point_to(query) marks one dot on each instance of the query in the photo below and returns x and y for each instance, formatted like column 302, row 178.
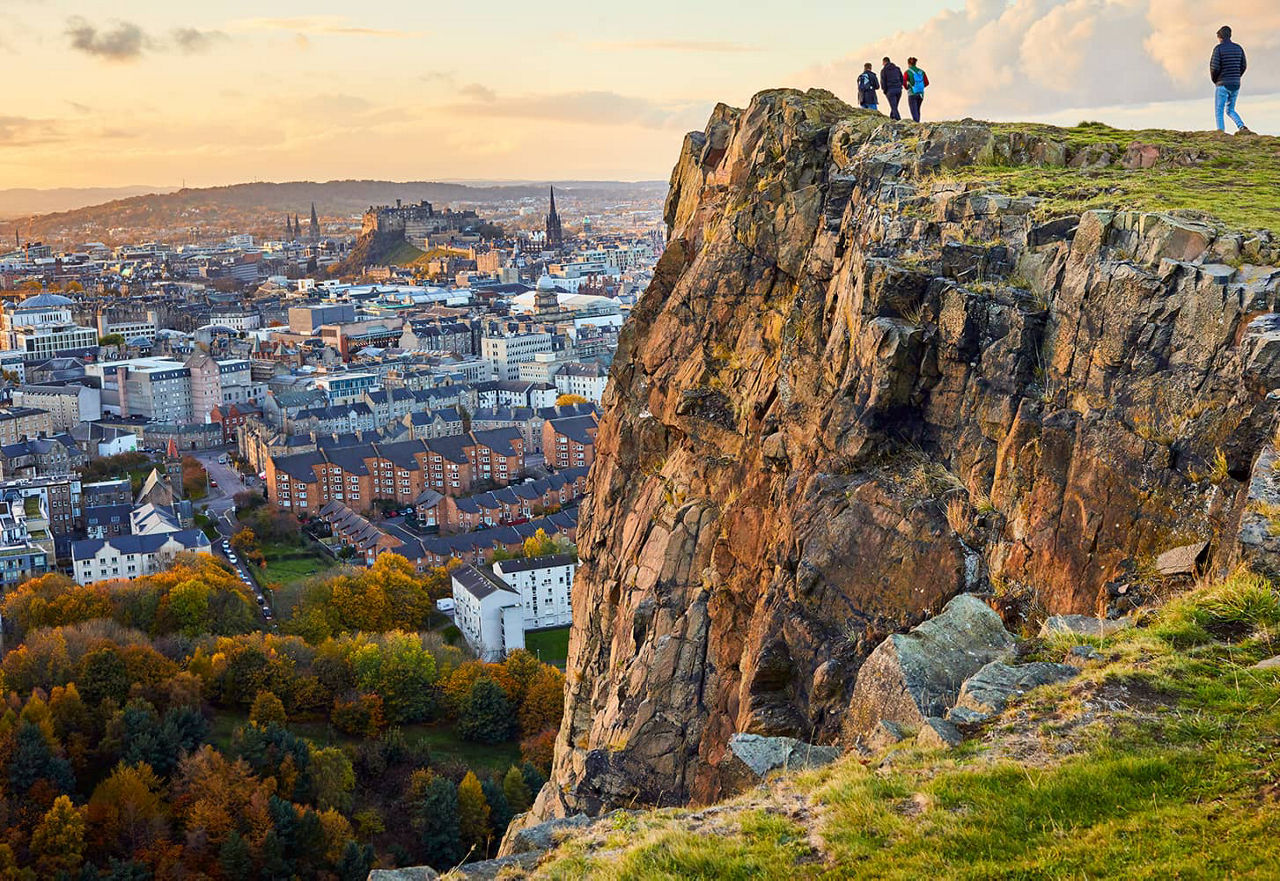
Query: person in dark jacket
column 868, row 86
column 1226, row 67
column 891, row 83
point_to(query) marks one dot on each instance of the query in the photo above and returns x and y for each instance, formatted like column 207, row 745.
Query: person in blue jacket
column 1226, row 68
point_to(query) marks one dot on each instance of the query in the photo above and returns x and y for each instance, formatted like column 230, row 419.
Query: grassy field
column 291, row 564
column 443, row 741
column 1234, row 179
column 550, row 646
column 1158, row 761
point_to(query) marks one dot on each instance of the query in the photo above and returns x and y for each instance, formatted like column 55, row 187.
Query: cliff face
column 860, row 384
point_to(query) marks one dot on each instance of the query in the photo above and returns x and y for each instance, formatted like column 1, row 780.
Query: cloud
column 320, row 25
column 124, row 41
column 191, row 40
column 24, row 131
column 479, row 93
column 1000, row 58
column 586, row 108
column 700, row 46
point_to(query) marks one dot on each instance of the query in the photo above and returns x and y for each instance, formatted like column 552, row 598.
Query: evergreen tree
column 533, row 778
column 474, row 829
column 235, row 858
column 123, row 870
column 434, row 804
column 275, row 863
column 517, row 791
column 356, row 862
column 486, row 713
column 500, row 812
column 33, row 760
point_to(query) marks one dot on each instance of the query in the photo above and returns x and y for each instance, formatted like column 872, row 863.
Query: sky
column 165, row 94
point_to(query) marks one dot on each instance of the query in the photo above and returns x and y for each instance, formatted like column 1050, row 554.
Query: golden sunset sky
column 162, row 93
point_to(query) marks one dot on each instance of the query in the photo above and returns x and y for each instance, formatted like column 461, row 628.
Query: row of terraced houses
column 360, row 474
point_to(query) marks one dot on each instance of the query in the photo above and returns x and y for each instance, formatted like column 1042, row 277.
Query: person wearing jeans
column 915, row 81
column 1226, row 68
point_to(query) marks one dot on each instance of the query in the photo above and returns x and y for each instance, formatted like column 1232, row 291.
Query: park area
column 549, row 646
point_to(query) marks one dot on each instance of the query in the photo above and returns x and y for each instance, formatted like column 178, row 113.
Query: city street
column 221, row 507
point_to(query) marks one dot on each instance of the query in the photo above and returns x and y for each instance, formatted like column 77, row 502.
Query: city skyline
column 160, row 95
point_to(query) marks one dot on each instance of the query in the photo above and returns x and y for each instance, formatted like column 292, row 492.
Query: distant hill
column 260, row 208
column 25, row 201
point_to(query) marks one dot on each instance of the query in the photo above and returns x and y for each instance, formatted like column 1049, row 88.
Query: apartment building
column 570, row 442
column 361, row 474
column 156, row 389
column 68, row 405
column 507, row 351
column 19, row 423
column 131, row 556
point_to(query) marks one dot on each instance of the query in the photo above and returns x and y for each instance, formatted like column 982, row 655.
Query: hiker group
column 1226, row 68
column 893, row 81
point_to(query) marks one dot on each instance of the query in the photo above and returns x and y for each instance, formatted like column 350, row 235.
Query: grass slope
column 1159, row 761
column 1233, row 179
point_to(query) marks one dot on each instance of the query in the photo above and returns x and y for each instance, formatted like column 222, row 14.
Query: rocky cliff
column 864, row 381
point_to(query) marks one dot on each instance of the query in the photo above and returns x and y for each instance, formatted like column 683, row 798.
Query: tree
column 332, row 778
column 356, row 862
column 126, row 812
column 474, row 829
column 485, row 715
column 433, row 815
column 516, row 791
column 111, row 339
column 360, row 716
column 57, row 843
column 539, row 749
column 543, row 703
column 267, row 709
column 245, row 541
column 33, row 761
column 235, row 858
column 540, row 545
column 500, row 812
column 102, row 675
column 569, row 399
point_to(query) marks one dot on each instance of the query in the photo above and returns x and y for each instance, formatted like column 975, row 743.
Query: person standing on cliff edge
column 916, row 81
column 1226, row 67
column 868, row 85
column 891, row 83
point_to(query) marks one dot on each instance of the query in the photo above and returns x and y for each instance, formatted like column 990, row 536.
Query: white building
column 68, row 405
column 587, row 380
column 157, row 389
column 509, row 351
column 42, row 325
column 131, row 556
column 490, row 615
column 545, row 586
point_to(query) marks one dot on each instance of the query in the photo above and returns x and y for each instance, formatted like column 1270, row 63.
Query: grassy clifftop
column 1159, row 761
column 1235, row 179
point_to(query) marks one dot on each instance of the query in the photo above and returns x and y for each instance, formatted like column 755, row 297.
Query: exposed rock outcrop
column 1084, row 625
column 858, row 387
column 988, row 691
column 915, row 676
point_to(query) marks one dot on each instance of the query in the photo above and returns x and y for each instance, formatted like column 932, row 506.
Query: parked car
column 226, row 544
column 213, row 482
column 233, row 558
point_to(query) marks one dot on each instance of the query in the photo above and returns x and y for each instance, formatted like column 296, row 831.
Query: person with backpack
column 915, row 81
column 1226, row 67
column 891, row 84
column 868, row 85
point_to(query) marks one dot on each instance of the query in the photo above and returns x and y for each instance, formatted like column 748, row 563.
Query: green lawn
column 291, row 564
column 550, row 646
column 443, row 741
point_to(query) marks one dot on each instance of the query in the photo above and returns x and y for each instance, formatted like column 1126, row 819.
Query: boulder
column 939, row 733
column 1268, row 664
column 764, row 754
column 917, row 675
column 491, row 870
column 1079, row 655
column 986, row 693
column 540, row 837
column 886, row 734
column 412, row 873
column 1083, row 625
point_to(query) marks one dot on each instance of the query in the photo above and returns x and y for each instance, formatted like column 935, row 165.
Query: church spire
column 315, row 222
column 555, row 232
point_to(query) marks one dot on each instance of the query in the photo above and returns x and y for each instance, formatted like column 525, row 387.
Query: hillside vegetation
column 1159, row 761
